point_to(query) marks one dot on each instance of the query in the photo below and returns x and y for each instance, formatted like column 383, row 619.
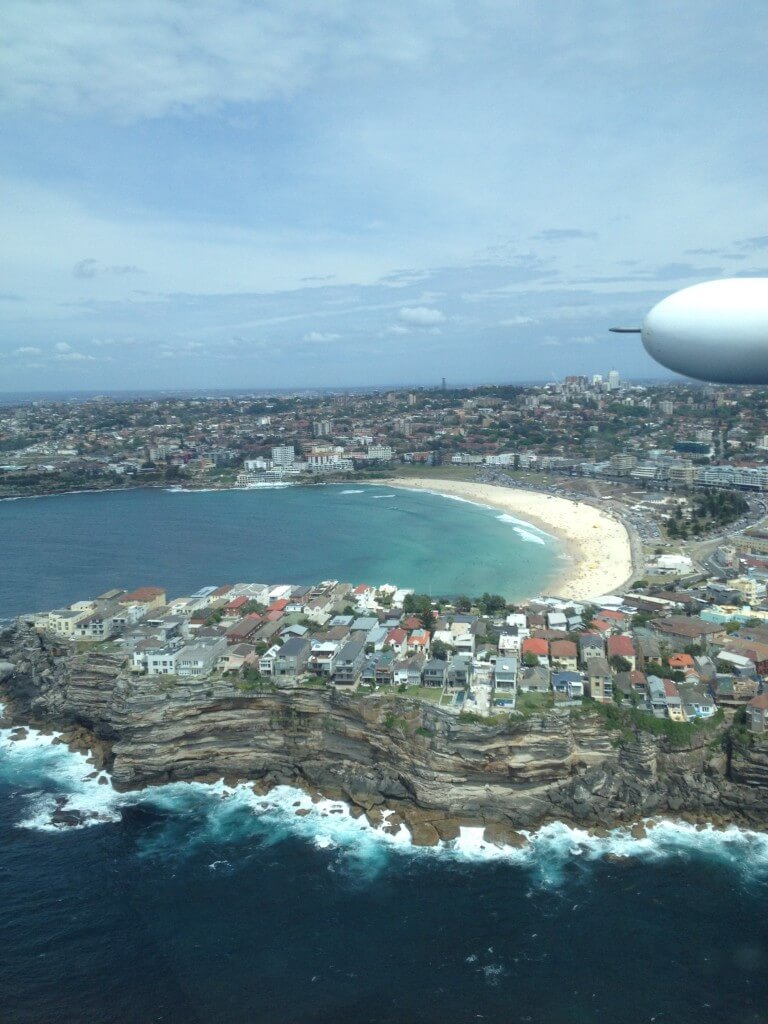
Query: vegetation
column 630, row 721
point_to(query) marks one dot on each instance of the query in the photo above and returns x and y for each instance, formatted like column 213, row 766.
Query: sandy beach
column 598, row 544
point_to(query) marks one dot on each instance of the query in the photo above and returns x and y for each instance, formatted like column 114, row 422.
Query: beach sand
column 598, row 545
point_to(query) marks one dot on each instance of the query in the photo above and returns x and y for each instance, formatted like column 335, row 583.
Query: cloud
column 518, row 321
column 757, row 242
column 75, row 357
column 320, row 336
column 62, row 346
column 563, row 235
column 85, row 268
column 421, row 316
column 195, row 58
column 123, row 268
column 90, row 268
column 27, row 350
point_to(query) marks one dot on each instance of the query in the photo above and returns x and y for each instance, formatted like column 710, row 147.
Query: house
column 535, row 679
column 434, row 672
column 752, row 649
column 656, row 697
column 599, row 680
column 459, row 672
column 736, row 663
column 397, row 639
column 349, row 663
column 569, row 683
column 674, row 701
column 687, row 629
column 238, row 657
column 509, row 643
column 505, row 673
column 322, row 658
column 622, row 647
column 564, row 654
column 150, row 597
column 385, row 668
column 757, row 713
column 591, row 646
column 557, row 620
column 267, row 660
column 535, row 647
column 697, row 703
column 647, row 647
column 418, row 641
column 681, row 662
column 245, row 630
column 291, row 659
column 407, row 671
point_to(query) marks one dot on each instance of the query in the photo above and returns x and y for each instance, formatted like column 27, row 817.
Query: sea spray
column 195, row 815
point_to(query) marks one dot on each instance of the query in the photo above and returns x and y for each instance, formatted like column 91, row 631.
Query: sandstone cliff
column 434, row 769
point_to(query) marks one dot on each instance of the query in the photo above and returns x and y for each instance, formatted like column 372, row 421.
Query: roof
column 563, row 649
column 533, row 645
column 760, row 701
column 142, row 594
column 591, row 640
column 687, row 626
column 681, row 661
column 621, row 646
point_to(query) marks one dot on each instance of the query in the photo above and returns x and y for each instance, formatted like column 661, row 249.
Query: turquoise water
column 60, row 549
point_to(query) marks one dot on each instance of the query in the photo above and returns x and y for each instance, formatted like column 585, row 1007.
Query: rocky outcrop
column 425, row 764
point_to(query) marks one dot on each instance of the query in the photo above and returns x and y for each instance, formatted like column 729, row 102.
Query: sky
column 280, row 193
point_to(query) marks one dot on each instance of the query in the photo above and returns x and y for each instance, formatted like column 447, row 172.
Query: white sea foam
column 216, row 813
column 352, row 491
column 377, row 496
column 215, row 490
column 528, row 537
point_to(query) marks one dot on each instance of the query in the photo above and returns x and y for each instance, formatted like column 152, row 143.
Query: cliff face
column 433, row 769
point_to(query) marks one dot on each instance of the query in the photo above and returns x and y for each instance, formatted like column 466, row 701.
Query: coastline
column 598, row 545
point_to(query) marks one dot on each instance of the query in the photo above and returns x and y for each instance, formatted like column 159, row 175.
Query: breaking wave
column 47, row 779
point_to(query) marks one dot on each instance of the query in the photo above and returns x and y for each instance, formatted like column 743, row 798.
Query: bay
column 56, row 550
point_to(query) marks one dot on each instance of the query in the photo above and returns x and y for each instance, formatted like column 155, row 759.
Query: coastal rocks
column 369, row 751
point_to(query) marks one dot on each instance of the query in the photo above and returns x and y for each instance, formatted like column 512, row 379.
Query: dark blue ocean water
column 197, row 904
column 69, row 547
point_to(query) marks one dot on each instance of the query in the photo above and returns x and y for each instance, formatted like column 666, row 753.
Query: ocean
column 69, row 547
column 196, row 904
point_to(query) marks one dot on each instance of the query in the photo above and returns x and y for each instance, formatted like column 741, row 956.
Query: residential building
column 599, row 680
column 291, row 659
column 349, row 663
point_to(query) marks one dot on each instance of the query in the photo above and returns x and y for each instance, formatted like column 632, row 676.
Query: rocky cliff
column 433, row 769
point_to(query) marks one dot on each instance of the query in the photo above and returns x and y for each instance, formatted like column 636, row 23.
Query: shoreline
column 459, row 833
column 598, row 545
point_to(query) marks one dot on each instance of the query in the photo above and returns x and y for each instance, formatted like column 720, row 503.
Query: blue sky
column 289, row 192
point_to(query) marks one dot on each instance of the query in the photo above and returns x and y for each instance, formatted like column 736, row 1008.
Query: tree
column 530, row 659
column 619, row 664
column 439, row 650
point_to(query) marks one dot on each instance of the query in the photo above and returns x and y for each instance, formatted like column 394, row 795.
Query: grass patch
column 532, row 702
